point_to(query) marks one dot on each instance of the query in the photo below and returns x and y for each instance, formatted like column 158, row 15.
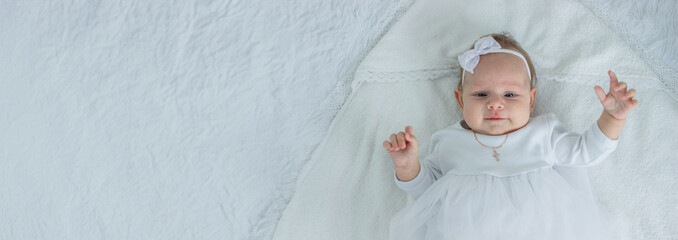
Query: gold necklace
column 496, row 155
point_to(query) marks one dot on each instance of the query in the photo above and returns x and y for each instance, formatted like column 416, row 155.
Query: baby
column 499, row 173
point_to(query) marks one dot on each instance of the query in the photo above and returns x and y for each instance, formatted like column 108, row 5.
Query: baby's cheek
column 467, row 114
column 523, row 115
column 473, row 117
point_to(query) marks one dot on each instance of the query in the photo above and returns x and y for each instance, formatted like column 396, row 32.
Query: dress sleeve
column 578, row 150
column 429, row 172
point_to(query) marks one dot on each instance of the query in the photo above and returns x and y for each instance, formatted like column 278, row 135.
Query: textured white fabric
column 522, row 195
column 651, row 29
column 598, row 51
column 346, row 190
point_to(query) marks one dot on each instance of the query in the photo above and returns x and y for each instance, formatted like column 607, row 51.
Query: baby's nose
column 495, row 105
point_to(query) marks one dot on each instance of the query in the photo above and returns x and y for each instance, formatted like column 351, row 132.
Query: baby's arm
column 408, row 172
column 428, row 171
column 618, row 103
column 599, row 141
column 412, row 175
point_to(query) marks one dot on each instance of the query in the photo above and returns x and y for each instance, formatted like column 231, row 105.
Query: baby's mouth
column 495, row 119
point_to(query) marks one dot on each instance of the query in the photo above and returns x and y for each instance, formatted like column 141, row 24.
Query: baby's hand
column 403, row 147
column 618, row 102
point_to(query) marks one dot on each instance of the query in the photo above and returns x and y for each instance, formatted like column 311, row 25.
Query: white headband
column 469, row 59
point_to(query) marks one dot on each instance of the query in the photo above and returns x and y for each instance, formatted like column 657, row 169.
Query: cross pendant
column 496, row 155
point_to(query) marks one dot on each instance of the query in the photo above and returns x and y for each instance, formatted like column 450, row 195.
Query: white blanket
column 346, row 190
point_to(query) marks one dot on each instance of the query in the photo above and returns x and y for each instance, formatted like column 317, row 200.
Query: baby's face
column 497, row 98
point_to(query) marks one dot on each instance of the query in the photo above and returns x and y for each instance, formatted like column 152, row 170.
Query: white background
column 175, row 119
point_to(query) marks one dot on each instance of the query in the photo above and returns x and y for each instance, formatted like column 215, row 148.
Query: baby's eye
column 481, row 94
column 509, row 95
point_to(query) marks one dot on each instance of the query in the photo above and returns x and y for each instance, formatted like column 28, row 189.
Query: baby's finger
column 394, row 146
column 634, row 103
column 387, row 145
column 401, row 140
column 409, row 130
column 410, row 138
column 613, row 79
column 620, row 86
column 631, row 93
column 600, row 92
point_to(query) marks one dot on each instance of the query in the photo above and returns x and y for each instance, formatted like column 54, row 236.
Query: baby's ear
column 458, row 95
column 533, row 97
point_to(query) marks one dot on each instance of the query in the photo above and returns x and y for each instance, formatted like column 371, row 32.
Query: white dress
column 539, row 188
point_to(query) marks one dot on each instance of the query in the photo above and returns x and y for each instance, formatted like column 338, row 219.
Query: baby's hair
column 507, row 42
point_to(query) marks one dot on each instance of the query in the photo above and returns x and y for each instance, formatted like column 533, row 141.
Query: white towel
column 346, row 190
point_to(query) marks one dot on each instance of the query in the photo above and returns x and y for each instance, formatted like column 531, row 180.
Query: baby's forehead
column 484, row 82
column 501, row 59
column 499, row 68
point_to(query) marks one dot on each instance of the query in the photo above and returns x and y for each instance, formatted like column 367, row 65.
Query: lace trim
column 416, row 75
column 639, row 81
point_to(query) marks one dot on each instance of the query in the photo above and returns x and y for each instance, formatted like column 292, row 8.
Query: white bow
column 469, row 59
